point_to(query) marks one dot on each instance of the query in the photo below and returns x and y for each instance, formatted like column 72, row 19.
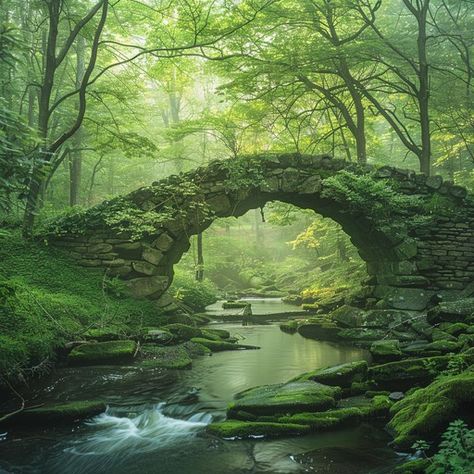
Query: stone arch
column 415, row 233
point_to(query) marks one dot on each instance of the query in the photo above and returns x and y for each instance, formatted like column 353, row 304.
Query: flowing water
column 155, row 420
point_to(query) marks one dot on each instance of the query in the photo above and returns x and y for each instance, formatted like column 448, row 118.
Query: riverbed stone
column 386, row 350
column 342, row 375
column 61, row 412
column 428, row 411
column 110, row 352
column 285, row 398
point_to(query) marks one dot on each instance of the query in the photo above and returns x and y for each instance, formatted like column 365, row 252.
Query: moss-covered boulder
column 364, row 336
column 182, row 332
column 285, row 398
column 342, row 375
column 407, row 373
column 386, row 318
column 57, row 413
column 157, row 335
column 327, row 420
column 461, row 310
column 111, row 352
column 454, row 329
column 347, row 316
column 426, row 412
column 219, row 346
column 252, row 429
column 439, row 335
column 290, row 327
column 172, row 357
column 322, row 330
column 235, row 304
column 222, row 333
column 386, row 350
column 444, row 346
column 416, row 466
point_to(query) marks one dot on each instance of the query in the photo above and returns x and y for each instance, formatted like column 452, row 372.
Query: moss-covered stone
column 460, row 310
column 407, row 373
column 172, row 357
column 323, row 330
column 111, row 352
column 439, row 335
column 289, row 327
column 222, row 333
column 327, row 420
column 56, row 413
column 249, row 429
column 347, row 316
column 444, row 346
column 342, row 375
column 454, row 329
column 386, row 350
column 235, row 304
column 427, row 411
column 218, row 346
column 417, row 466
column 157, row 335
column 291, row 397
column 182, row 332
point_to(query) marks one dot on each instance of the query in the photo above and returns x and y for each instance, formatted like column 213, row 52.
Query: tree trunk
column 424, row 92
column 75, row 161
column 200, row 259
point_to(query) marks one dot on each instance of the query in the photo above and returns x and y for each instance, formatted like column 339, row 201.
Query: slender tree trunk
column 75, row 162
column 200, row 259
column 424, row 93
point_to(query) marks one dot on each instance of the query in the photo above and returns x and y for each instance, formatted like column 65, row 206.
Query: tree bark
column 75, row 161
column 200, row 259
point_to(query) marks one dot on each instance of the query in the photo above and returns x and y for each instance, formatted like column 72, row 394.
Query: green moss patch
column 219, row 346
column 173, row 357
column 249, row 429
column 57, row 413
column 291, row 397
column 112, row 352
column 427, row 411
column 342, row 375
column 182, row 332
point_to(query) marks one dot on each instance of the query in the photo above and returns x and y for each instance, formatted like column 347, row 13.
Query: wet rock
column 219, row 346
column 173, row 357
column 395, row 396
column 408, row 373
column 111, row 352
column 343, row 375
column 290, row 397
column 347, row 316
column 290, row 327
column 182, row 332
column 426, row 412
column 461, row 310
column 386, row 350
column 252, row 429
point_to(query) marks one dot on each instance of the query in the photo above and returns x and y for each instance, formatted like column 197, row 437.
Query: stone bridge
column 415, row 233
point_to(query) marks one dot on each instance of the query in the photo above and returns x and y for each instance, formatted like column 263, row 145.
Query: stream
column 155, row 420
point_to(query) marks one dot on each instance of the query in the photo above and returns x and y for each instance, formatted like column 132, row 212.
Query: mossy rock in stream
column 222, row 333
column 57, row 413
column 461, row 310
column 235, row 304
column 182, row 332
column 111, row 352
column 327, row 420
column 416, row 466
column 252, row 429
column 292, row 397
column 290, row 327
column 426, row 412
column 408, row 373
column 342, row 375
column 218, row 346
column 171, row 357
column 439, row 335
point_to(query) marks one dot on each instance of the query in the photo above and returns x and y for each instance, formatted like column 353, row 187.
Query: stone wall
column 410, row 255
